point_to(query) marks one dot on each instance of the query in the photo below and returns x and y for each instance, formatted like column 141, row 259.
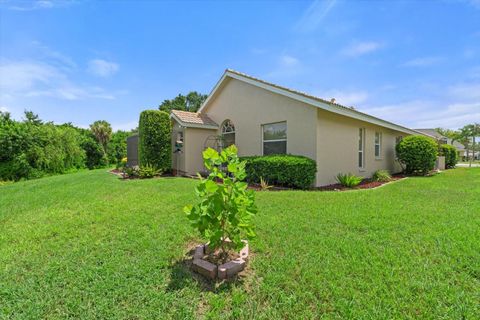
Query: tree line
column 466, row 136
column 32, row 148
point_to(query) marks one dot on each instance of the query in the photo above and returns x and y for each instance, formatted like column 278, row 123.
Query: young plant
column 349, row 180
column 226, row 207
column 148, row 171
column 381, row 176
column 264, row 184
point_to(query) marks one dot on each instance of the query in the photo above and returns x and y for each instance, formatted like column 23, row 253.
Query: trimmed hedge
column 418, row 154
column 450, row 154
column 283, row 170
column 154, row 146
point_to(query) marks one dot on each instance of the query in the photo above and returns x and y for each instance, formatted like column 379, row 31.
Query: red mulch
column 365, row 184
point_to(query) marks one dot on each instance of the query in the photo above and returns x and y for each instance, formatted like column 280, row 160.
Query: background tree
column 453, row 135
column 191, row 102
column 102, row 131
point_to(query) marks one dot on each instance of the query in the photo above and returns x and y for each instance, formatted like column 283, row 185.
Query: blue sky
column 416, row 63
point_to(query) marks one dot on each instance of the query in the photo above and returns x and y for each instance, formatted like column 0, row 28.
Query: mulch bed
column 119, row 173
column 365, row 184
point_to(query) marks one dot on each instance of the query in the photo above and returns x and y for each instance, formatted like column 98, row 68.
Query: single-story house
column 263, row 118
column 444, row 140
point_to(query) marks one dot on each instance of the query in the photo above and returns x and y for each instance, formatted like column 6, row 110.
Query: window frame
column 361, row 131
column 222, row 133
column 379, row 144
column 275, row 140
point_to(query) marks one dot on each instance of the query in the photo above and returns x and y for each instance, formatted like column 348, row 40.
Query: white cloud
column 428, row 113
column 125, row 126
column 36, row 4
column 22, row 76
column 465, row 91
column 346, row 98
column 288, row 61
column 314, row 15
column 3, row 109
column 34, row 78
column 102, row 68
column 286, row 66
column 361, row 48
column 422, row 62
column 44, row 52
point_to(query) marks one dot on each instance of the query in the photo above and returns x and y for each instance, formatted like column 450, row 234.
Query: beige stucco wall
column 328, row 138
column 250, row 107
column 337, row 147
column 194, row 145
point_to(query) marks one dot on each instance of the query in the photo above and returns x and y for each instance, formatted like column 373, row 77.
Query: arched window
column 228, row 133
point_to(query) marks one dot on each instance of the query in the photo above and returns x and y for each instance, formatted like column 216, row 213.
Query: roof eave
column 305, row 99
column 192, row 125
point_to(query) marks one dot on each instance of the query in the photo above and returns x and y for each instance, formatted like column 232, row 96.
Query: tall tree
column 191, row 102
column 450, row 134
column 102, row 131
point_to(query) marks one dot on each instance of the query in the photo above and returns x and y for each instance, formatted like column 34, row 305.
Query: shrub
column 348, row 180
column 132, row 172
column 122, row 163
column 417, row 154
column 450, row 154
column 155, row 139
column 225, row 209
column 285, row 170
column 382, row 176
column 95, row 157
column 148, row 171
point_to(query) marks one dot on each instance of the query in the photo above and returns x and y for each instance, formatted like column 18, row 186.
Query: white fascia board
column 224, row 76
column 310, row 101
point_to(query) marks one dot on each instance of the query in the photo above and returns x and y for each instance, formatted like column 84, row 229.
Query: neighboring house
column 444, row 140
column 262, row 118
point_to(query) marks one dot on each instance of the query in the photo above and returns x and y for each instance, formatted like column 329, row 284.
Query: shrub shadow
column 182, row 276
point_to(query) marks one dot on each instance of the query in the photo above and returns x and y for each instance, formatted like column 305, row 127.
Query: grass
column 88, row 245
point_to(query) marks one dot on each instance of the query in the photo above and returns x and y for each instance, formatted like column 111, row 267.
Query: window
column 361, row 148
column 397, row 141
column 275, row 138
column 378, row 145
column 228, row 133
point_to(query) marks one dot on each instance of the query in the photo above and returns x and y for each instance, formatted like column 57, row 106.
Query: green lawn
column 88, row 245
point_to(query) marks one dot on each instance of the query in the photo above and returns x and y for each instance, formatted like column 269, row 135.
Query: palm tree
column 102, row 131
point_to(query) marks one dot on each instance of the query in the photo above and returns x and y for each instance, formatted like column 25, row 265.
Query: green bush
column 95, row 157
column 155, row 139
column 382, row 176
column 348, row 180
column 148, row 171
column 450, row 154
column 132, row 172
column 31, row 148
column 417, row 153
column 283, row 170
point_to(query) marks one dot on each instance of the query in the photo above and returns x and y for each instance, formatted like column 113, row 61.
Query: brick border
column 221, row 272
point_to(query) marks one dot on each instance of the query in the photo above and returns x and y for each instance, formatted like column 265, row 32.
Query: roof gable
column 305, row 98
column 193, row 119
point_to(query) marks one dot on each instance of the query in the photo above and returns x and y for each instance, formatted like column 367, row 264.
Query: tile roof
column 194, row 118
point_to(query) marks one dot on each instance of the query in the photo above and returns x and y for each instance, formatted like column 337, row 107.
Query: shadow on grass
column 182, row 276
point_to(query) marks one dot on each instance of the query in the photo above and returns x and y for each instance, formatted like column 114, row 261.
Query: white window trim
column 380, row 145
column 362, row 167
column 222, row 134
column 276, row 140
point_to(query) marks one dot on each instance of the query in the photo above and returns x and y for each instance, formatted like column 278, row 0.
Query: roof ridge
column 307, row 95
